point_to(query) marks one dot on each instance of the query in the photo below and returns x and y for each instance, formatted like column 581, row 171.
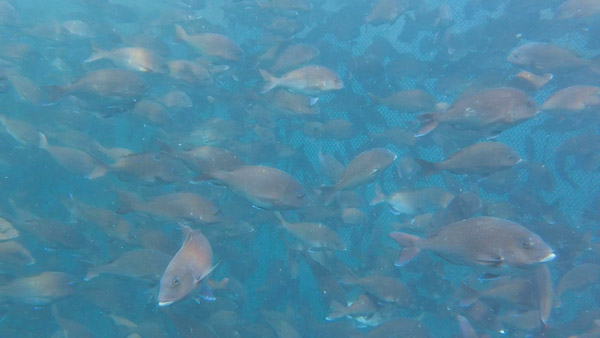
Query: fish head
column 526, row 249
column 175, row 285
column 524, row 110
column 519, row 56
column 295, row 199
column 331, row 83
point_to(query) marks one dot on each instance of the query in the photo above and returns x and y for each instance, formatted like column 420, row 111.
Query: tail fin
column 466, row 329
column 469, row 296
column 428, row 123
column 409, row 247
column 270, row 80
column 379, row 196
column 56, row 92
column 328, row 194
column 43, row 141
column 338, row 311
column 280, row 218
column 91, row 274
column 180, row 32
column 97, row 54
column 429, row 168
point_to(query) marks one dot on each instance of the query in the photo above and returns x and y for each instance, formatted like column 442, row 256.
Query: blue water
column 266, row 284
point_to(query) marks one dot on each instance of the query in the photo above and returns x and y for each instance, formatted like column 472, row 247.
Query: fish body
column 309, row 80
column 265, row 187
column 494, row 109
column 480, row 241
column 483, row 158
column 364, row 168
column 132, row 58
column 187, row 269
column 216, row 46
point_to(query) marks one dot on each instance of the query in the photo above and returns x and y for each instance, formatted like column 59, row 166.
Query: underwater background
column 302, row 139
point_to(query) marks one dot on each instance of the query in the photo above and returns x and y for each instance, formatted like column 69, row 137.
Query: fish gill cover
column 297, row 168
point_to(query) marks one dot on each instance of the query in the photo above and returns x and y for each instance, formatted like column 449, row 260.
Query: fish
column 207, row 158
column 315, row 236
column 103, row 84
column 412, row 202
column 483, row 159
column 384, row 288
column 386, row 11
column 7, row 230
column 578, row 278
column 131, row 58
column 113, row 225
column 216, row 46
column 187, row 269
column 493, row 110
column 284, row 102
column 264, row 187
column 149, row 168
column 362, row 169
column 572, row 99
column 408, row 101
column 190, row 72
column 151, row 111
column 38, row 290
column 175, row 206
column 531, row 80
column 74, row 160
column 53, row 232
column 141, row 264
column 548, row 57
column 294, row 56
column 21, row 131
column 12, row 252
column 576, row 9
column 308, row 80
column 479, row 241
column 362, row 306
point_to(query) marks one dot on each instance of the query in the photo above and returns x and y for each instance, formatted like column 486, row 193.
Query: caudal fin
column 379, row 196
column 428, row 168
column 180, row 32
column 409, row 247
column 469, row 296
column 428, row 123
column 56, row 92
column 97, row 54
column 270, row 81
column 43, row 141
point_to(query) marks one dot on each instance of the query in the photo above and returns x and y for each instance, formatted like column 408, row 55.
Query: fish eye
column 175, row 281
column 526, row 244
column 300, row 196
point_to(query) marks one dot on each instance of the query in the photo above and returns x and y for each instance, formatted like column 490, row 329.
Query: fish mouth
column 163, row 304
column 548, row 258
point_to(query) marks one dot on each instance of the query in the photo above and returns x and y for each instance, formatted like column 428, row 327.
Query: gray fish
column 74, row 160
column 548, row 57
column 177, row 206
column 265, row 187
column 104, row 83
column 494, row 110
column 363, row 169
column 315, row 236
column 412, row 202
column 138, row 264
column 188, row 268
column 38, row 290
column 479, row 241
column 481, row 159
